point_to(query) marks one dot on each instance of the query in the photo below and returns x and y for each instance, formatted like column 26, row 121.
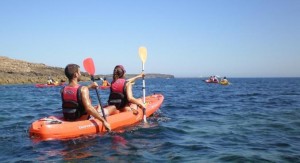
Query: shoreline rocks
column 13, row 71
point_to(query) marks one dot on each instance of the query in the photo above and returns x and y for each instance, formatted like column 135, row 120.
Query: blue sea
column 250, row 120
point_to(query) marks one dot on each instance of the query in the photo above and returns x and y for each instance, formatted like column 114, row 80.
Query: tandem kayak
column 55, row 127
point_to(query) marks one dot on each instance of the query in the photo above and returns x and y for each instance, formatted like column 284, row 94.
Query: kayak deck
column 55, row 127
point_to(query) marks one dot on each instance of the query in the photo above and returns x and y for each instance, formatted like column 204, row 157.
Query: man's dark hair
column 70, row 70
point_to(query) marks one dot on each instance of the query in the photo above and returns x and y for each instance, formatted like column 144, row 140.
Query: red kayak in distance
column 48, row 85
column 210, row 81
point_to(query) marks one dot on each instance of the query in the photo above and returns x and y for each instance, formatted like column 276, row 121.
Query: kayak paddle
column 88, row 64
column 143, row 56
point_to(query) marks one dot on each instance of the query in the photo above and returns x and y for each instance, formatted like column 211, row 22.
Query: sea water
column 250, row 120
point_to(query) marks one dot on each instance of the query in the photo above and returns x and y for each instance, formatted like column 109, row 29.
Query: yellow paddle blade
column 143, row 54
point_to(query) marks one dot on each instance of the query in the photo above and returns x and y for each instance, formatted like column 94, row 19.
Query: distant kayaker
column 105, row 82
column 50, row 81
column 215, row 79
column 121, row 95
column 224, row 79
column 76, row 101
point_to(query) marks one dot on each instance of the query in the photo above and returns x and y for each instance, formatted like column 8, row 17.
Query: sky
column 184, row 38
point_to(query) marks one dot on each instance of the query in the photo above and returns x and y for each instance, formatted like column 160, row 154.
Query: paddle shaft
column 143, row 56
column 99, row 100
column 144, row 86
column 144, row 94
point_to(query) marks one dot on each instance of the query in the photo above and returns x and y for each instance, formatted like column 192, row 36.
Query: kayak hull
column 47, row 85
column 224, row 82
column 55, row 127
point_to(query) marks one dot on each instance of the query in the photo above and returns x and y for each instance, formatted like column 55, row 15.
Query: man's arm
column 85, row 94
column 93, row 85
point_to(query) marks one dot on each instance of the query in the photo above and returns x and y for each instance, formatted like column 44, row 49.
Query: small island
column 13, row 71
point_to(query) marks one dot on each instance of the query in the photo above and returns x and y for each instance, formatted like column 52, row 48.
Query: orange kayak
column 54, row 127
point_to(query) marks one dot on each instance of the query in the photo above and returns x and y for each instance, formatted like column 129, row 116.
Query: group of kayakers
column 51, row 81
column 76, row 100
column 214, row 79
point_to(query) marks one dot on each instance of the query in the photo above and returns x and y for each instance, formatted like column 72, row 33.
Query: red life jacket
column 72, row 105
column 118, row 96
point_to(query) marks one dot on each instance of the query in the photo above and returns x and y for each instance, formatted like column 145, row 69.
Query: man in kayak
column 121, row 95
column 76, row 101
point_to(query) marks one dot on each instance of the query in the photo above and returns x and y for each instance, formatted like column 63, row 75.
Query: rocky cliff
column 13, row 71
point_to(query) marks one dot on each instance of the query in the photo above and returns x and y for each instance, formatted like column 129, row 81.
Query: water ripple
column 251, row 120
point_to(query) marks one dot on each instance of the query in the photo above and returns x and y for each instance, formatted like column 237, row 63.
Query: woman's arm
column 131, row 80
column 131, row 98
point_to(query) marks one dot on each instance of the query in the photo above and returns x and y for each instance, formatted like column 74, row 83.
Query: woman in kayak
column 76, row 101
column 121, row 95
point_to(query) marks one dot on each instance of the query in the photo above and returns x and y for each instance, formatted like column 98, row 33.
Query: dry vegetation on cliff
column 13, row 71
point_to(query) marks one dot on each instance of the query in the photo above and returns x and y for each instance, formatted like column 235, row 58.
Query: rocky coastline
column 13, row 71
